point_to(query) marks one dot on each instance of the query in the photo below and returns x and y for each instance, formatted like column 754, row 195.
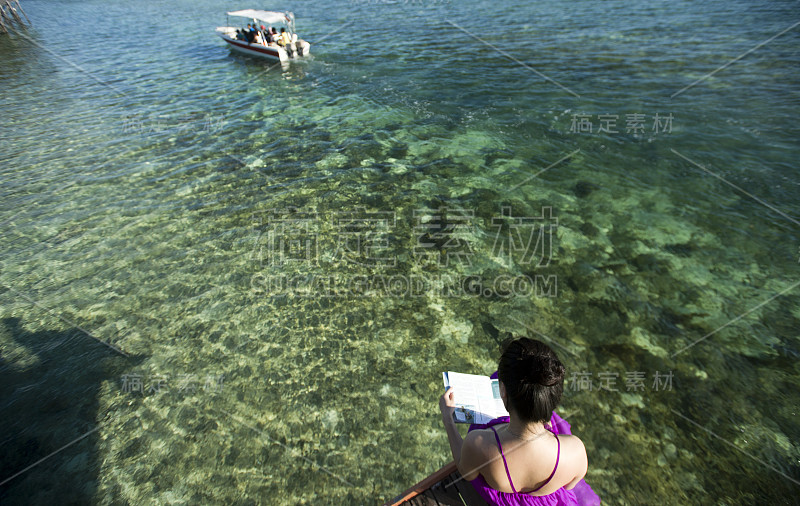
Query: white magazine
column 477, row 397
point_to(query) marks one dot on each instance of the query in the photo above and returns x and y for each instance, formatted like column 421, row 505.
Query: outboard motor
column 302, row 47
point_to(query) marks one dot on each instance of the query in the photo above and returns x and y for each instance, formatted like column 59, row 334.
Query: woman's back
column 530, row 466
column 537, row 467
column 530, row 456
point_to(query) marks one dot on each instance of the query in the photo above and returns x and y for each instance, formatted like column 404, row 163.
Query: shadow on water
column 20, row 57
column 50, row 383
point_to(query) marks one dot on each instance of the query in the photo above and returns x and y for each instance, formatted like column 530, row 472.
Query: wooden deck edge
column 424, row 485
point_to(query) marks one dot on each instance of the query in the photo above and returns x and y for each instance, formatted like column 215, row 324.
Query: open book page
column 477, row 397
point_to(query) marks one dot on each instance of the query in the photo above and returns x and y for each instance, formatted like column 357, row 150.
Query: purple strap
column 558, row 456
column 504, row 459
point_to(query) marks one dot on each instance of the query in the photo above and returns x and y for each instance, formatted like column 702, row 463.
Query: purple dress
column 581, row 494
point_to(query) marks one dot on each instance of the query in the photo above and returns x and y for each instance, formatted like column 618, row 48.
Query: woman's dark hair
column 533, row 377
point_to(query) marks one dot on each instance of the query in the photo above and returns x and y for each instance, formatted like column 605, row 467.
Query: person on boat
column 530, row 456
column 284, row 39
column 257, row 39
column 249, row 33
column 268, row 38
column 273, row 35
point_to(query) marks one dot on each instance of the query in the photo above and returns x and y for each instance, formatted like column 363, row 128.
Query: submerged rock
column 589, row 230
column 683, row 250
column 584, row 189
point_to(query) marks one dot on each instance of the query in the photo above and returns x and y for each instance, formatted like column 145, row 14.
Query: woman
column 529, row 457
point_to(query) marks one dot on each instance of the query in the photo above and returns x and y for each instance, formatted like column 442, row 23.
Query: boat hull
column 444, row 487
column 274, row 53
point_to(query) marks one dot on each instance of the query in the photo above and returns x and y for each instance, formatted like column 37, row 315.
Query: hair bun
column 543, row 370
column 534, row 379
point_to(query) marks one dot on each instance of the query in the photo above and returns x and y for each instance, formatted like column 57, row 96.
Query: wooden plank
column 440, row 489
column 424, row 485
column 456, row 491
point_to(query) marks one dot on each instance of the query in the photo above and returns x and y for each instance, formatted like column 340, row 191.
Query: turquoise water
column 243, row 235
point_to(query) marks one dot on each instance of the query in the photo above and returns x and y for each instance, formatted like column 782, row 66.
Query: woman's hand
column 447, row 403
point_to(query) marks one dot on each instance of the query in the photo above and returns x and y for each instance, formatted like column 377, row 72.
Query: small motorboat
column 283, row 50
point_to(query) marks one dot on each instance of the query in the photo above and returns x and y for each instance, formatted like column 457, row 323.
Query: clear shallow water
column 144, row 211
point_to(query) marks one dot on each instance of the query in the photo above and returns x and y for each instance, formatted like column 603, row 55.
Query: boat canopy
column 269, row 17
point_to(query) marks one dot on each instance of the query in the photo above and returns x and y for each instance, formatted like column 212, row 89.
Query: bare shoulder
column 482, row 435
column 571, row 442
column 478, row 440
column 574, row 457
column 473, row 453
column 572, row 447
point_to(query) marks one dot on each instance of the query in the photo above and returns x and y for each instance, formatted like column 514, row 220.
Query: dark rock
column 683, row 250
column 649, row 263
column 584, row 188
column 589, row 230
